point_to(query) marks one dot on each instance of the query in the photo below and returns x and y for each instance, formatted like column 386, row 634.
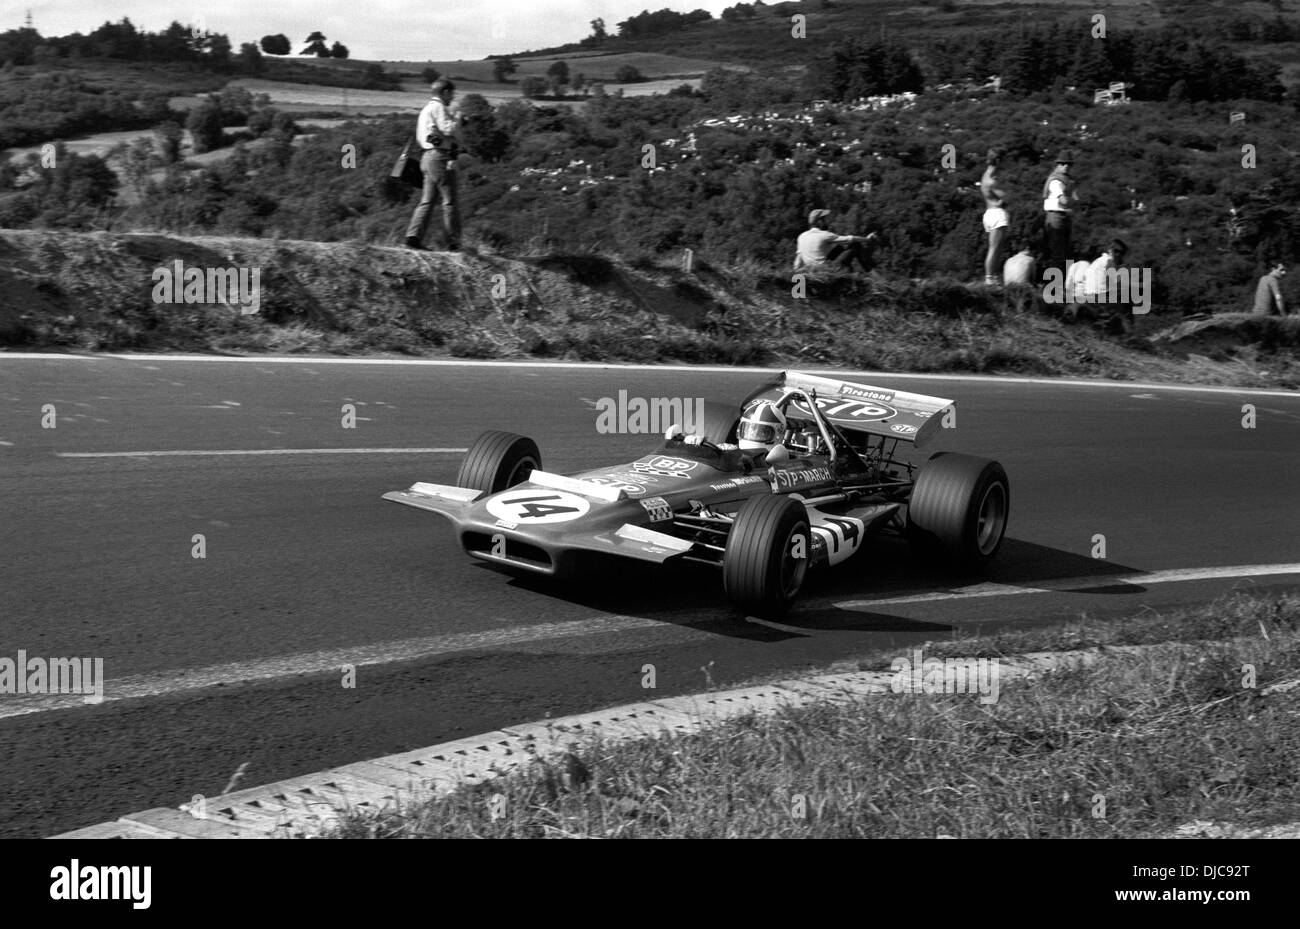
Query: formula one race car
column 797, row 477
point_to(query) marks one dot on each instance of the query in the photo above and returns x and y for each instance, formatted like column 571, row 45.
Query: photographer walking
column 436, row 132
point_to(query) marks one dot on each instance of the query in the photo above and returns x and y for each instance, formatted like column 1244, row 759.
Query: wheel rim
column 793, row 569
column 522, row 470
column 992, row 519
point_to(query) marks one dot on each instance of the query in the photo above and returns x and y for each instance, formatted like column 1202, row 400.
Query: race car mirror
column 778, row 454
column 672, row 432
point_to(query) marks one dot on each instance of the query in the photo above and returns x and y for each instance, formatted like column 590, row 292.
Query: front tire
column 961, row 505
column 497, row 461
column 766, row 559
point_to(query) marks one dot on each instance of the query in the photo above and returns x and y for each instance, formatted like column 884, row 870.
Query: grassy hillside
column 72, row 291
column 764, row 40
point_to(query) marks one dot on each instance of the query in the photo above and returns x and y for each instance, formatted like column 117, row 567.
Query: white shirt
column 1097, row 278
column 435, row 114
column 1076, row 280
column 813, row 245
column 1057, row 201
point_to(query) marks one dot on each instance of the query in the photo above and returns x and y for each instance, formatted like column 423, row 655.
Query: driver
column 762, row 428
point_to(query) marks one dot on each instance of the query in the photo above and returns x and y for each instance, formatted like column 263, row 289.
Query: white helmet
column 763, row 426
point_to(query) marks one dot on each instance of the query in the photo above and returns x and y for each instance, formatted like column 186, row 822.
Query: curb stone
column 309, row 805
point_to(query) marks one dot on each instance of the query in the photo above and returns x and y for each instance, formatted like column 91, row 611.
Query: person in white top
column 1058, row 201
column 1021, row 267
column 436, row 131
column 996, row 219
column 818, row 247
column 1097, row 287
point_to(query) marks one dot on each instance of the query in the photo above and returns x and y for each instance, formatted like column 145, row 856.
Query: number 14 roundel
column 538, row 505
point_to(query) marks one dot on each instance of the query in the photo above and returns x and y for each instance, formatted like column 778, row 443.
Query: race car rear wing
column 893, row 414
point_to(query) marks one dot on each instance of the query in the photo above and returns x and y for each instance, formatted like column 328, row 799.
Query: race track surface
column 236, row 658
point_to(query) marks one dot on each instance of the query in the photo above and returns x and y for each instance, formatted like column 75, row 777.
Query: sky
column 394, row 30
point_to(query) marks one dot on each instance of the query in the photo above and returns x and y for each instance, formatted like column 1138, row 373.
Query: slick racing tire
column 498, row 460
column 960, row 504
column 720, row 422
column 766, row 558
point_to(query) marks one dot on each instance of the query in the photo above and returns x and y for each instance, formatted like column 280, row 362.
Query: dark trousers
column 440, row 182
column 1056, row 235
column 844, row 255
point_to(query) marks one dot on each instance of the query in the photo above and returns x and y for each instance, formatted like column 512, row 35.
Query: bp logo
column 530, row 507
column 665, row 466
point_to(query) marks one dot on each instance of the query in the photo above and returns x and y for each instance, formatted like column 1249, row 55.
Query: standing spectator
column 1058, row 198
column 1020, row 268
column 436, row 131
column 818, row 247
column 1268, row 292
column 996, row 219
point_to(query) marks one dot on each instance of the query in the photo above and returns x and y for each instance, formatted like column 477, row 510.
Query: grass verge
column 1133, row 746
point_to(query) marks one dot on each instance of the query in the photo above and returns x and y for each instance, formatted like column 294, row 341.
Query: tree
column 204, row 124
column 430, row 74
column 169, row 136
column 276, row 44
column 502, row 68
column 859, row 67
column 598, row 33
column 558, row 72
column 218, row 50
column 250, row 59
column 316, row 46
column 628, row 74
column 338, row 50
column 533, row 87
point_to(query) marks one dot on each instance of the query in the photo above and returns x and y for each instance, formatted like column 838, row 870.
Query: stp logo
column 861, row 410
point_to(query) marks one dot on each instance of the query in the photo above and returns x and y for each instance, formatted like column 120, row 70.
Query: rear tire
column 960, row 504
column 498, row 460
column 760, row 571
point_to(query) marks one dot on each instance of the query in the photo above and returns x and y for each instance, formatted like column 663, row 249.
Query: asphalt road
column 236, row 658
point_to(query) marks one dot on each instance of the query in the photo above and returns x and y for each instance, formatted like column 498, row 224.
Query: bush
column 533, row 87
column 204, row 124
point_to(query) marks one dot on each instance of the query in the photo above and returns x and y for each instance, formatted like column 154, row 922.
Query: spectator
column 996, row 219
column 1076, row 283
column 1021, row 267
column 818, row 247
column 436, row 131
column 1268, row 292
column 1096, row 286
column 1058, row 198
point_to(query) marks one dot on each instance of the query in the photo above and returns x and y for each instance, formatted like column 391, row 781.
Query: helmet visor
column 758, row 432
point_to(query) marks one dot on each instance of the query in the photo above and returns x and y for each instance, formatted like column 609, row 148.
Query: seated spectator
column 818, row 247
column 1268, row 292
column 1076, row 281
column 1021, row 268
column 1097, row 286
